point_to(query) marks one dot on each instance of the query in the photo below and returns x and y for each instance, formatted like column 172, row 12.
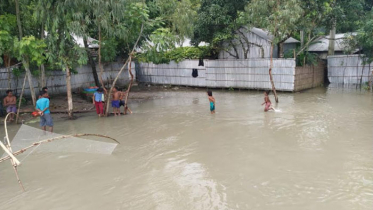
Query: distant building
column 321, row 45
column 257, row 44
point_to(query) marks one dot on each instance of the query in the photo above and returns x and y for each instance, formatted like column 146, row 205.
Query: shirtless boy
column 122, row 102
column 10, row 102
column 115, row 102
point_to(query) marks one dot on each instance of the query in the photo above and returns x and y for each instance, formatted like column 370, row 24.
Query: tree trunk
column 99, row 57
column 19, row 20
column 301, row 39
column 69, row 93
column 129, row 86
column 281, row 50
column 43, row 82
column 20, row 98
column 91, row 62
column 9, row 73
column 29, row 76
column 332, row 40
column 270, row 75
column 371, row 78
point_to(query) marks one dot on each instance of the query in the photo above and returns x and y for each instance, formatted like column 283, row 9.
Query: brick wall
column 307, row 77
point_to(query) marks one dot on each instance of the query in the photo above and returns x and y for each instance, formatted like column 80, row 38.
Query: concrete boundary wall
column 348, row 69
column 56, row 80
column 246, row 74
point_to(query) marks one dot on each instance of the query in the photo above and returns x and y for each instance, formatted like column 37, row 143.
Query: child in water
column 98, row 101
column 115, row 103
column 267, row 102
column 212, row 101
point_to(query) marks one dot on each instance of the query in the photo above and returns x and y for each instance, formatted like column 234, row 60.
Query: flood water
column 315, row 153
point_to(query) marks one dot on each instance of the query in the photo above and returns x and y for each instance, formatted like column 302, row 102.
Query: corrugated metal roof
column 262, row 33
column 291, row 40
column 269, row 37
column 322, row 44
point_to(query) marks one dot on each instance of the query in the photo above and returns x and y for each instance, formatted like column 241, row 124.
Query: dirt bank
column 83, row 102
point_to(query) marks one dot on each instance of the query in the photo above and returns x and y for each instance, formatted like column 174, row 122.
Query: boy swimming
column 267, row 102
column 212, row 101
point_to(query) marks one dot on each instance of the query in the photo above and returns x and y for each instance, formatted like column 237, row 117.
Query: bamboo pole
column 129, row 87
column 8, row 150
column 10, row 154
column 20, row 98
column 271, row 77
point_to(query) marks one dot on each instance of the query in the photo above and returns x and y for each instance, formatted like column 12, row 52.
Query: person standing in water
column 267, row 102
column 212, row 101
column 115, row 103
column 10, row 103
column 42, row 106
column 122, row 102
column 98, row 98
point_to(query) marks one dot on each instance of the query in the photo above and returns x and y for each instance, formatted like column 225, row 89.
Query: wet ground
column 315, row 153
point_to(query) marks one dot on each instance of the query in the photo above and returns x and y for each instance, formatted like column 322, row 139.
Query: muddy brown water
column 315, row 153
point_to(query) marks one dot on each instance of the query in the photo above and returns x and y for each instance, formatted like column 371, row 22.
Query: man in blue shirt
column 42, row 106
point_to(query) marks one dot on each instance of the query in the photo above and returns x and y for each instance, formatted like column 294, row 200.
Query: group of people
column 267, row 102
column 118, row 95
column 117, row 101
column 42, row 108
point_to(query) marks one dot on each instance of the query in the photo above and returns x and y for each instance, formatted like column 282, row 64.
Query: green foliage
column 347, row 14
column 315, row 14
column 31, row 49
column 305, row 57
column 8, row 22
column 109, row 50
column 216, row 17
column 7, row 31
column 365, row 38
column 366, row 86
column 280, row 18
column 6, row 44
column 177, row 55
column 17, row 72
column 178, row 16
column 23, row 102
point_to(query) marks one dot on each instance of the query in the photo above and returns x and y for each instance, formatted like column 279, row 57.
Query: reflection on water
column 315, row 154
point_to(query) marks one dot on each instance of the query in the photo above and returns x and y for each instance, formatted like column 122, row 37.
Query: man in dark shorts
column 42, row 106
